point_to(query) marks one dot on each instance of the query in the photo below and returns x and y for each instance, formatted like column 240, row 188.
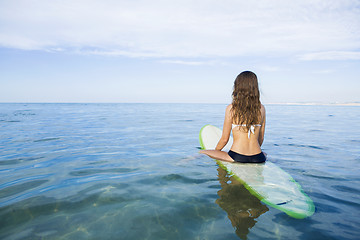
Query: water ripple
column 19, row 160
column 47, row 139
column 306, row 146
column 347, row 189
column 181, row 178
column 86, row 172
column 14, row 189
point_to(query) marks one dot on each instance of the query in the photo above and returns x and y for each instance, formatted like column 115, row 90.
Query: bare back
column 246, row 142
column 242, row 143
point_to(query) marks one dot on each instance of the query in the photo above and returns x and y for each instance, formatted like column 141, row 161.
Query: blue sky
column 178, row 51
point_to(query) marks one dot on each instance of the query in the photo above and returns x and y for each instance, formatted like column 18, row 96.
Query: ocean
column 133, row 171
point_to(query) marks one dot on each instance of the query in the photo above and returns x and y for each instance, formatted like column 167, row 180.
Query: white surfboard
column 266, row 181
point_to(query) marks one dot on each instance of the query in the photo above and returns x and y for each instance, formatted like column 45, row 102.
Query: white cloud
column 324, row 71
column 332, row 55
column 191, row 63
column 271, row 68
column 203, row 28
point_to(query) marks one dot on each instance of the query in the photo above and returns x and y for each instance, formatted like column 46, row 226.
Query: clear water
column 132, row 171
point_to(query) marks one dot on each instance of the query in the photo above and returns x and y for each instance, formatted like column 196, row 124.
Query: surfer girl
column 245, row 117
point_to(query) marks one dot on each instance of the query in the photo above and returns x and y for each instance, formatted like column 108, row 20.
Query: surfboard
column 266, row 181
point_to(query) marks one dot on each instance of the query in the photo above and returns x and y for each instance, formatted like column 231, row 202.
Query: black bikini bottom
column 257, row 158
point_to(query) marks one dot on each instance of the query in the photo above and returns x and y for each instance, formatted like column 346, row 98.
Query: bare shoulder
column 228, row 111
column 262, row 108
column 228, row 108
column 263, row 111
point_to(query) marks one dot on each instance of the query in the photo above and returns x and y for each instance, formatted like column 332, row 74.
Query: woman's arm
column 263, row 123
column 226, row 129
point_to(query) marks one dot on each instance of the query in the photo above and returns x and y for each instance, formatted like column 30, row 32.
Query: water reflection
column 241, row 206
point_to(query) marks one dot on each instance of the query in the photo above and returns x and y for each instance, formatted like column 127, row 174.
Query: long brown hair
column 246, row 103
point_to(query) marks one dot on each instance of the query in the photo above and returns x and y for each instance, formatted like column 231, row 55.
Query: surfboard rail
column 297, row 204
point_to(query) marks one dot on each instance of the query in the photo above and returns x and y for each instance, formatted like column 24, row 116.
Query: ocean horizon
column 264, row 103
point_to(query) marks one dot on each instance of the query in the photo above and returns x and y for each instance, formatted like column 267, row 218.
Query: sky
column 183, row 51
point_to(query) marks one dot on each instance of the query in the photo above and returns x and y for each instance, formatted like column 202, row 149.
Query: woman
column 245, row 117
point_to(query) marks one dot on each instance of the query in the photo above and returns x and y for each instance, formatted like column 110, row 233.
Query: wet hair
column 246, row 103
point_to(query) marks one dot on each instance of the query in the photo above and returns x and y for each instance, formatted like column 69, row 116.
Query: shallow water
column 132, row 171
